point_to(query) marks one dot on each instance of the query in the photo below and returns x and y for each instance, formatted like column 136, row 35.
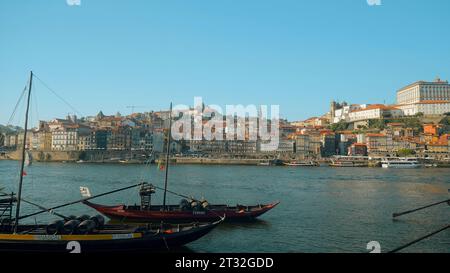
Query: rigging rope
column 58, row 96
column 17, row 106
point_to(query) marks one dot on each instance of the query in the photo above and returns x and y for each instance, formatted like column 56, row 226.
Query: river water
column 322, row 209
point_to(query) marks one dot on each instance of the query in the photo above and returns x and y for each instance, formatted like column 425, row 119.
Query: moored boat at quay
column 107, row 238
column 188, row 210
column 301, row 164
column 349, row 161
column 401, row 163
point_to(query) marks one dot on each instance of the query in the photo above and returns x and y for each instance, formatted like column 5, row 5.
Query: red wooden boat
column 176, row 213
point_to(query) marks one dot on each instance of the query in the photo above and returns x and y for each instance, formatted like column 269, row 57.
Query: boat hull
column 405, row 166
column 123, row 213
column 349, row 164
column 132, row 242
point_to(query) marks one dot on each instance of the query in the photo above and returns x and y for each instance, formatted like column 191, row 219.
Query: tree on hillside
column 377, row 124
column 445, row 121
column 340, row 126
column 414, row 123
column 405, row 152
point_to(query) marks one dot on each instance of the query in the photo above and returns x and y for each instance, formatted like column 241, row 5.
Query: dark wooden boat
column 110, row 238
column 83, row 234
column 176, row 213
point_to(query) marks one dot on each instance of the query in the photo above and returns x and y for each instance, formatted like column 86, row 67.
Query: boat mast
column 167, row 156
column 19, row 192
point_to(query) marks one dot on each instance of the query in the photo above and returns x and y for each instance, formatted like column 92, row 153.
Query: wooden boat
column 131, row 161
column 90, row 234
column 348, row 164
column 349, row 161
column 273, row 162
column 177, row 213
column 301, row 164
column 83, row 234
column 110, row 238
column 264, row 163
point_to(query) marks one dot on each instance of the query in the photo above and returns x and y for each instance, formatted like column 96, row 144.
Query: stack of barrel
column 76, row 225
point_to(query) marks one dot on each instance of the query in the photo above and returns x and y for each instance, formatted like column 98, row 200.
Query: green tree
column 340, row 126
column 405, row 152
column 377, row 124
column 445, row 121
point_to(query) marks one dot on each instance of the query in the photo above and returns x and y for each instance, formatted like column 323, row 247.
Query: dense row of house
column 396, row 137
column 93, row 133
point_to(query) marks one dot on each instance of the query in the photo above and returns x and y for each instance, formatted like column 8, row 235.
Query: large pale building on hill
column 429, row 98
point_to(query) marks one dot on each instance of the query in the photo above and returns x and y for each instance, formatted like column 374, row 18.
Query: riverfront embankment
column 142, row 157
column 98, row 156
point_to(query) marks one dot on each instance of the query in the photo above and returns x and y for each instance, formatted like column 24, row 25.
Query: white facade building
column 66, row 136
column 424, row 91
column 65, row 139
column 375, row 111
column 343, row 114
column 426, row 107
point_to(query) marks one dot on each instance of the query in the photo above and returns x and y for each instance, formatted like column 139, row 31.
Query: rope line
column 13, row 114
column 58, row 96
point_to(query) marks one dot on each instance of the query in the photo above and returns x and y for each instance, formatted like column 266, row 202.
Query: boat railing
column 6, row 206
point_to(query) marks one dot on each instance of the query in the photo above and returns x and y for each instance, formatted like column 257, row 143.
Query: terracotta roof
column 346, row 132
column 433, row 102
column 425, row 102
column 376, row 106
column 438, row 144
column 375, row 135
column 395, row 124
column 359, row 144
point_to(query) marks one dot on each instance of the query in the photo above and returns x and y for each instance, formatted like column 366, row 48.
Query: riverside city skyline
column 419, row 124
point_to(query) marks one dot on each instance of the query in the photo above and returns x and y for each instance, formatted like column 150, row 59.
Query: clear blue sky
column 300, row 54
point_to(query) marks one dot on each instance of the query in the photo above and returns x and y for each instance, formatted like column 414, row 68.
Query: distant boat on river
column 401, row 163
column 349, row 161
column 301, row 164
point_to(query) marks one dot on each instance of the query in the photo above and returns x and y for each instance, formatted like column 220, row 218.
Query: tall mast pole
column 19, row 192
column 167, row 156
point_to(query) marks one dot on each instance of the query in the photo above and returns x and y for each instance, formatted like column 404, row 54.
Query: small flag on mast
column 85, row 192
column 161, row 165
